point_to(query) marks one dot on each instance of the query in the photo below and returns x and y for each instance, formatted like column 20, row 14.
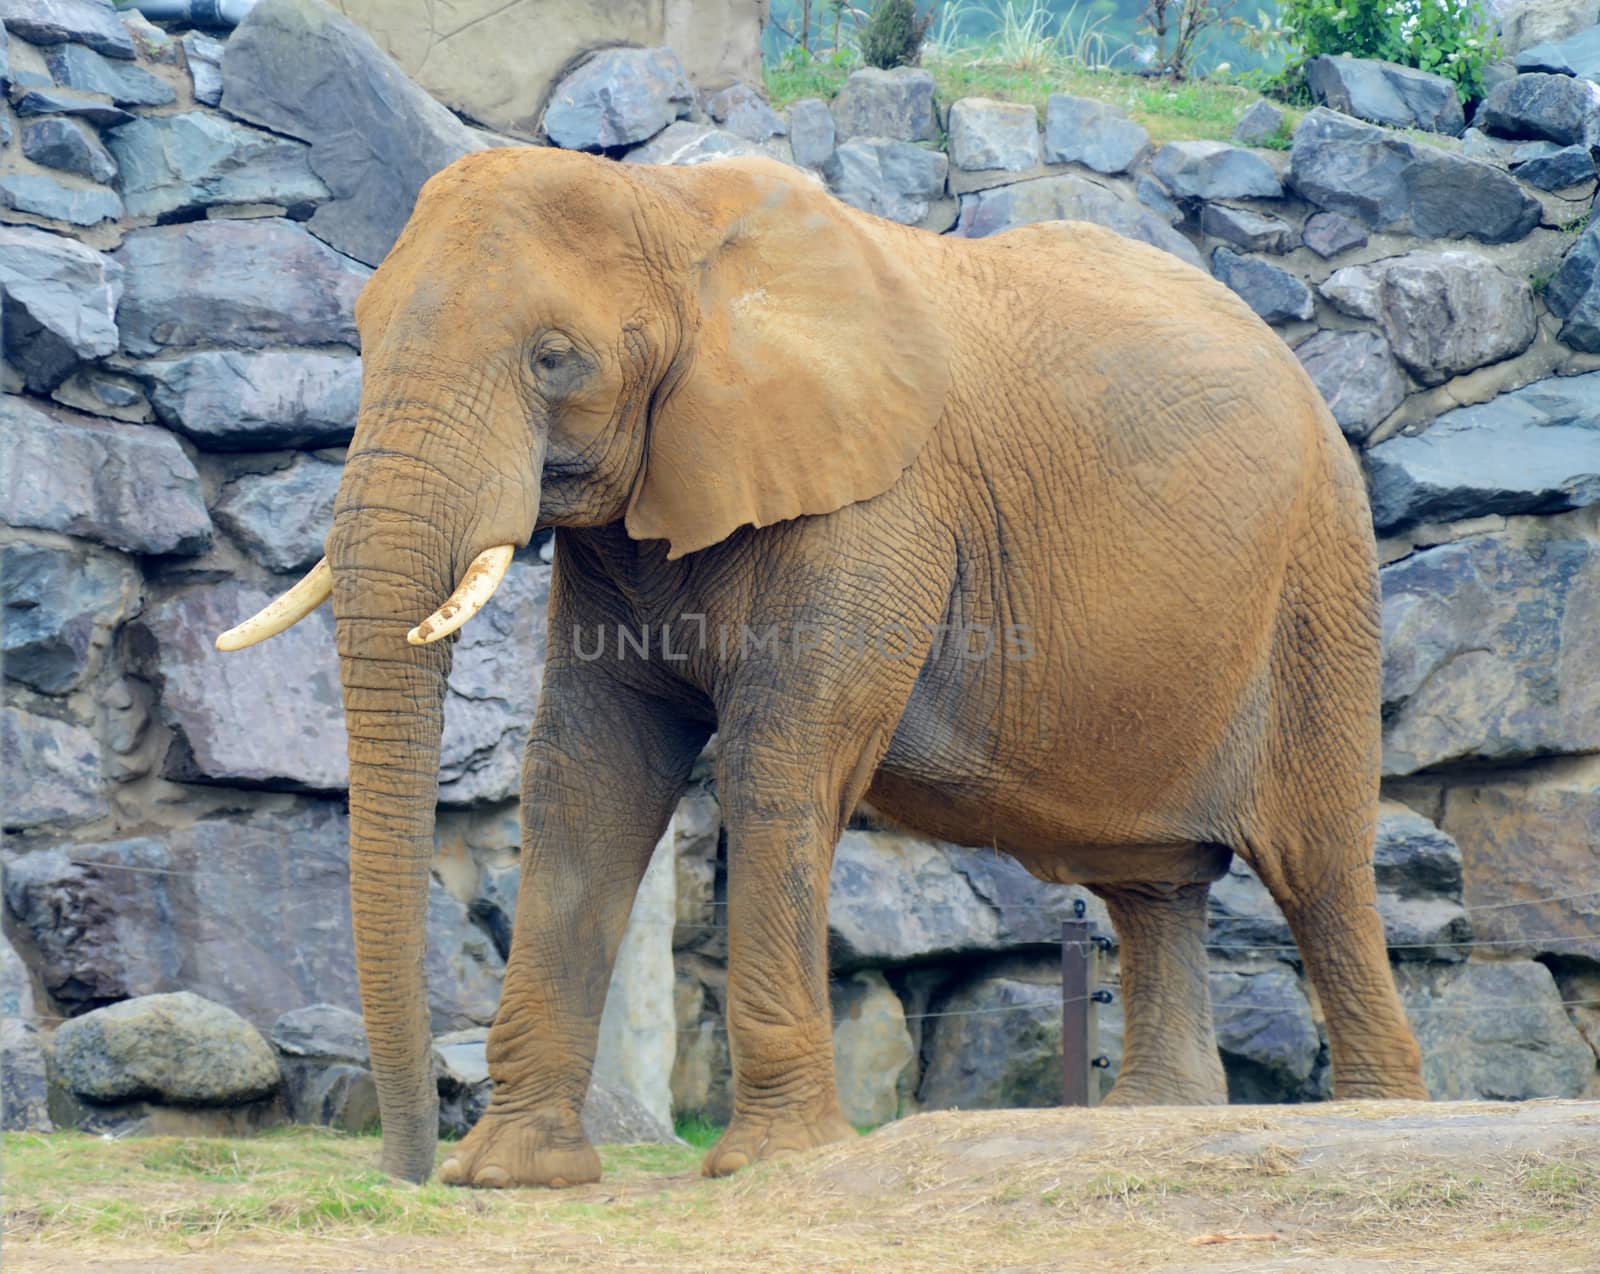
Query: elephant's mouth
column 477, row 586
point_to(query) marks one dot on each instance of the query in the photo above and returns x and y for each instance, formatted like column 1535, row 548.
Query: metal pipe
column 200, row 13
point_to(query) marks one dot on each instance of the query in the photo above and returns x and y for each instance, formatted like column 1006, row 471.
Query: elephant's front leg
column 604, row 769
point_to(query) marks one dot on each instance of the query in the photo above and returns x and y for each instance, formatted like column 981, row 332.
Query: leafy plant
column 1452, row 38
column 893, row 33
column 1185, row 21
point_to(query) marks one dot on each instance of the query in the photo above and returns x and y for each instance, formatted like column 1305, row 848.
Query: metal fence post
column 1080, row 1046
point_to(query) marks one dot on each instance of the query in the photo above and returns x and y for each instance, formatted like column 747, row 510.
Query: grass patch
column 698, row 1131
column 1194, row 109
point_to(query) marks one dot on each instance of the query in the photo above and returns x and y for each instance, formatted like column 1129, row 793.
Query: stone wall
column 186, row 225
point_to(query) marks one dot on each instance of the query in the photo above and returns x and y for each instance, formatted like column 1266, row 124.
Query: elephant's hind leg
column 1169, row 1050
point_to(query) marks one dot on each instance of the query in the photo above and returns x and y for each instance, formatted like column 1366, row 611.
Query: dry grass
column 1402, row 1187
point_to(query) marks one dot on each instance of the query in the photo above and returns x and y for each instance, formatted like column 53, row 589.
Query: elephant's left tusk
column 476, row 588
column 285, row 612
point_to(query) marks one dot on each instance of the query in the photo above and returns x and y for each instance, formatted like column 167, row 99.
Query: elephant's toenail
column 450, row 1171
column 493, row 1178
column 558, row 1183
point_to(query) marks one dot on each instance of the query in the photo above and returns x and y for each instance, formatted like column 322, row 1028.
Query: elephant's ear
column 811, row 375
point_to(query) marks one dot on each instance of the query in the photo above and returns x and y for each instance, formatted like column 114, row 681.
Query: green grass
column 698, row 1132
column 1191, row 110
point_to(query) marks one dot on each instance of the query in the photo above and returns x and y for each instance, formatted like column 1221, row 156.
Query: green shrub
column 1452, row 38
column 892, row 36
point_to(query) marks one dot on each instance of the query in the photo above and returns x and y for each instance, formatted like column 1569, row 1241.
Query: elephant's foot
column 750, row 1138
column 522, row 1148
column 1207, row 1086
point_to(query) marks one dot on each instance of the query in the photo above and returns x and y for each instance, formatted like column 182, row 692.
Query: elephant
column 1041, row 542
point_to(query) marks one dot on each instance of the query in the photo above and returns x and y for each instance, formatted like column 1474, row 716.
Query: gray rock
column 232, row 400
column 811, row 134
column 79, row 67
column 1388, row 183
column 890, row 179
column 697, row 827
column 179, row 1048
column 1154, row 196
column 272, row 716
column 996, row 1044
column 683, row 144
column 1244, row 921
column 1552, row 167
column 58, row 142
column 1328, row 234
column 51, row 772
column 1356, row 374
column 246, row 284
column 494, row 906
column 1525, row 23
column 743, row 111
column 1081, row 130
column 1252, row 231
column 1533, row 450
column 330, row 1094
column 60, row 303
column 324, row 1031
column 200, row 160
column 1555, row 108
column 102, row 393
column 299, row 68
column 986, row 136
column 16, row 981
column 252, row 911
column 24, row 1079
column 281, row 518
column 1268, row 1042
column 1273, row 293
column 868, row 921
column 618, row 97
column 1572, row 294
column 1028, row 911
column 44, row 196
column 872, row 1050
column 1489, row 647
column 1260, row 123
column 126, row 486
column 897, row 105
column 702, row 1075
column 58, row 604
column 150, row 42
column 1386, row 93
column 97, row 108
column 1443, row 312
column 1494, row 1031
column 1069, row 198
column 1477, row 144
column 1214, row 170
column 91, row 22
column 204, row 56
column 1577, row 55
column 1418, row 870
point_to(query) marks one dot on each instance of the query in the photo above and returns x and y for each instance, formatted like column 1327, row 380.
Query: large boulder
column 179, row 1048
column 327, row 1080
column 995, row 1042
column 890, row 179
column 1251, row 231
column 743, row 111
column 1525, row 23
column 872, row 1050
column 1494, row 1031
column 24, row 1078
column 95, row 108
column 1081, row 130
column 241, row 284
column 1418, row 870
column 1555, row 108
column 273, row 716
column 1533, row 450
column 1265, row 1033
column 50, row 771
column 297, row 67
column 1329, row 233
column 126, row 486
column 252, row 400
column 811, row 132
column 896, row 105
column 1573, row 295
column 1527, row 847
column 987, row 136
column 1272, row 292
column 1386, row 93
column 59, row 304
column 44, row 196
column 1443, row 312
column 1356, row 373
column 80, row 67
column 281, row 518
column 199, row 159
column 60, row 603
column 1261, row 123
column 1214, row 170
column 90, row 22
column 617, row 98
column 253, row 912
column 1552, row 167
column 65, row 144
column 1488, row 650
column 1071, row 198
column 1577, row 55
column 1390, row 183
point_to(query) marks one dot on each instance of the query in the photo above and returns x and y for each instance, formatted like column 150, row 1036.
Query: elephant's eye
column 557, row 365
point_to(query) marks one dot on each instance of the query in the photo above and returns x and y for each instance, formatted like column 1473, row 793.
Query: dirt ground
column 1396, row 1188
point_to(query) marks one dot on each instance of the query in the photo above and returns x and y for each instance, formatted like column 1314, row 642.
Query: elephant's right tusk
column 287, row 611
column 472, row 594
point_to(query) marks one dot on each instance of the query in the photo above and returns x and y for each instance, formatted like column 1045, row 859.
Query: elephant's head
column 560, row 340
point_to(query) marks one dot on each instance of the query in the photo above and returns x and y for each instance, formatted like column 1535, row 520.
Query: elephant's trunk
column 388, row 573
